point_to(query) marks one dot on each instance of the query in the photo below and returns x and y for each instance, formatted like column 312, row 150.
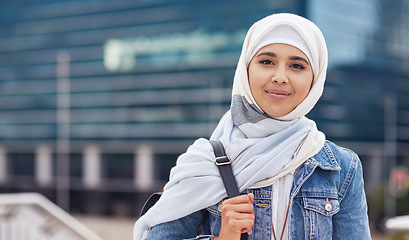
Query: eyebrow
column 271, row 54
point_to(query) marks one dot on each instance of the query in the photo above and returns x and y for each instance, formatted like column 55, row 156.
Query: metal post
column 3, row 165
column 63, row 130
column 390, row 149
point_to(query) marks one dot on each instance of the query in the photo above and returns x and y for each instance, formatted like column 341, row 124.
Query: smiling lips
column 278, row 94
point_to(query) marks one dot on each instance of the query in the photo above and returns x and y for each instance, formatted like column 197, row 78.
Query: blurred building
column 122, row 86
column 98, row 98
column 365, row 103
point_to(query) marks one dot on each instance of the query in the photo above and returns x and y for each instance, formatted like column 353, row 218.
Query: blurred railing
column 25, row 216
column 398, row 224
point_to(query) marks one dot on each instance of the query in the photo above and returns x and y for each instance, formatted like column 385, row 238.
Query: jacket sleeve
column 186, row 228
column 352, row 219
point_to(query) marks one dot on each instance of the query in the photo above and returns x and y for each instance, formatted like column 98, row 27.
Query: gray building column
column 144, row 168
column 43, row 165
column 92, row 166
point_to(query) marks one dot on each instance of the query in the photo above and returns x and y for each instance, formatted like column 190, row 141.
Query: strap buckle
column 220, row 161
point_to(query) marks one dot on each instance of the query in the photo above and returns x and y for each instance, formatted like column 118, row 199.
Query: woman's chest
column 310, row 212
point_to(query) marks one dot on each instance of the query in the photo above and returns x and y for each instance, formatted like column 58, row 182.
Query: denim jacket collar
column 325, row 159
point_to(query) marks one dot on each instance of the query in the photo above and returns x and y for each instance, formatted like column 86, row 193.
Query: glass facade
column 366, row 67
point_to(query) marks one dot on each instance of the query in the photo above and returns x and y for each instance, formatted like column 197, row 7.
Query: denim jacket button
column 328, row 207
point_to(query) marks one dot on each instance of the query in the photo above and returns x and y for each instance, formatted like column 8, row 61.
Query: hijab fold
column 262, row 148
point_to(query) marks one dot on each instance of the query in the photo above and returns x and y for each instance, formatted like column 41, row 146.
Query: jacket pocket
column 215, row 209
column 324, row 206
column 318, row 213
column 215, row 218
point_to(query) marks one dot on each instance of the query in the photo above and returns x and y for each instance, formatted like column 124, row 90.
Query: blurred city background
column 99, row 97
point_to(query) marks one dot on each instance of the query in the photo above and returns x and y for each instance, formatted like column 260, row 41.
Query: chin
column 275, row 115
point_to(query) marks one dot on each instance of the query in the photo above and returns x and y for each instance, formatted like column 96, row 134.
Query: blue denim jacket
column 333, row 176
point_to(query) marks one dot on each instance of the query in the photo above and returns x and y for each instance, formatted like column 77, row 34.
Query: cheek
column 303, row 87
column 253, row 88
column 253, row 79
column 305, row 94
column 256, row 87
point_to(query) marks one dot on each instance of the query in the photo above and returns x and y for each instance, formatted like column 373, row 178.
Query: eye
column 298, row 66
column 266, row 61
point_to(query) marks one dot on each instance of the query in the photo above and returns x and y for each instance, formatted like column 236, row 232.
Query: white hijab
column 260, row 147
column 316, row 45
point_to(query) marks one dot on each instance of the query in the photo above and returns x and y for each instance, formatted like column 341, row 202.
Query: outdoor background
column 99, row 97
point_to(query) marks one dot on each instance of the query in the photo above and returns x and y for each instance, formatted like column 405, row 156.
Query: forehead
column 282, row 49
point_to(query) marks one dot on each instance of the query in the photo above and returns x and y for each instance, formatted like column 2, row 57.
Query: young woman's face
column 280, row 78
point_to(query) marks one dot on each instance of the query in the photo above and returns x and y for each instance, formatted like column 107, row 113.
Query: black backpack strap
column 223, row 163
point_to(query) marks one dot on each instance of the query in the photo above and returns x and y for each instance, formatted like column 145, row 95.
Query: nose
column 280, row 77
column 279, row 80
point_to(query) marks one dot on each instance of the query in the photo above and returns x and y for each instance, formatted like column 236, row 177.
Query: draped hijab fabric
column 261, row 148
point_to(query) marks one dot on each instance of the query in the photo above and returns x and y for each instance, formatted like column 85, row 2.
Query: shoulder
column 336, row 149
column 333, row 155
column 350, row 167
column 199, row 151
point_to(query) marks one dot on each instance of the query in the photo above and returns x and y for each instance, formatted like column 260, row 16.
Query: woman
column 294, row 183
